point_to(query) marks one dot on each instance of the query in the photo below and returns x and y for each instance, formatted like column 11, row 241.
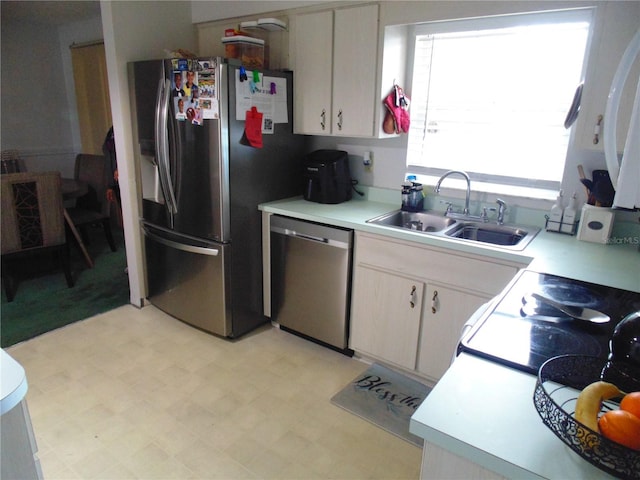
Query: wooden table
column 71, row 189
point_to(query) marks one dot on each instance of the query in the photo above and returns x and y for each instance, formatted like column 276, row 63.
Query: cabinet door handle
column 323, row 117
column 340, row 120
column 434, row 302
column 412, row 297
column 596, row 130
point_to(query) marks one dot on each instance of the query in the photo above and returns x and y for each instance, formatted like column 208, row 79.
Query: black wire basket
column 560, row 380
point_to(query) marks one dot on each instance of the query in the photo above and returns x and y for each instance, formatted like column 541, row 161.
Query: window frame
column 484, row 182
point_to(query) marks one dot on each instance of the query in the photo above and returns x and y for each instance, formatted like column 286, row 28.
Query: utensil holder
column 596, row 224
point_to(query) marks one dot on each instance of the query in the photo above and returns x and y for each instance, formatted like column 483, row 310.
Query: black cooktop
column 523, row 333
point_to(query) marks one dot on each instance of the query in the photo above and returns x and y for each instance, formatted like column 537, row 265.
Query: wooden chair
column 32, row 222
column 93, row 208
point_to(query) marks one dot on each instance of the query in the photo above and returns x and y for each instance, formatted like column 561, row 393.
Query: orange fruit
column 631, row 403
column 622, row 427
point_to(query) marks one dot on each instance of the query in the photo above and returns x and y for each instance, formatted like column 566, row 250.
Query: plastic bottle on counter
column 406, row 195
column 555, row 215
column 569, row 216
column 417, row 197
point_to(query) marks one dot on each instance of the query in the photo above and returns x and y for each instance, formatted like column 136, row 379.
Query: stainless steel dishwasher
column 311, row 280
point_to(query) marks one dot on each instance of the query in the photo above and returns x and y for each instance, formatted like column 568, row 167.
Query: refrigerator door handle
column 162, row 144
column 181, row 246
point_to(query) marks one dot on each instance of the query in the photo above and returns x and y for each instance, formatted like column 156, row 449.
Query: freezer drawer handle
column 180, row 246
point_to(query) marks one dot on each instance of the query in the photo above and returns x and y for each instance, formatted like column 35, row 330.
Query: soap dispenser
column 569, row 216
column 555, row 215
column 406, row 195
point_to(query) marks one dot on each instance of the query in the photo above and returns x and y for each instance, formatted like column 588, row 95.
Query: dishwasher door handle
column 312, row 238
column 305, row 236
column 292, row 233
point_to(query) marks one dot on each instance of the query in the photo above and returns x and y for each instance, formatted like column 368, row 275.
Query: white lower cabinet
column 410, row 302
column 18, row 445
column 446, row 311
column 388, row 312
column 440, row 463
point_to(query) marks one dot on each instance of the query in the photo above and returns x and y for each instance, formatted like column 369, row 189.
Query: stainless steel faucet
column 466, row 177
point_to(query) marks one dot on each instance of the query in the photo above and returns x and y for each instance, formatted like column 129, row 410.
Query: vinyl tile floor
column 136, row 394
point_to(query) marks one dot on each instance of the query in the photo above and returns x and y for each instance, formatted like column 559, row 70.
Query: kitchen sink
column 512, row 237
column 502, row 235
column 419, row 221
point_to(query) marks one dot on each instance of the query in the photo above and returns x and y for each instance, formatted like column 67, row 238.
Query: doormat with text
column 385, row 398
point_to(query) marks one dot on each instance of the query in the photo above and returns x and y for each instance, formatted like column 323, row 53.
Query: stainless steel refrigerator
column 202, row 181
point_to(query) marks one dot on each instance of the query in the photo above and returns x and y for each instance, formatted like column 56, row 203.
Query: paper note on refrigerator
column 268, row 95
column 207, row 90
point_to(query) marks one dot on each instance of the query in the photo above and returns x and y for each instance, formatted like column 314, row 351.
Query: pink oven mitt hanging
column 397, row 118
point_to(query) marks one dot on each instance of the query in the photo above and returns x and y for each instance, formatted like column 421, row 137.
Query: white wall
column 36, row 113
column 39, row 116
column 137, row 30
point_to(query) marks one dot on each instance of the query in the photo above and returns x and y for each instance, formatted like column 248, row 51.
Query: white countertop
column 13, row 382
column 484, row 412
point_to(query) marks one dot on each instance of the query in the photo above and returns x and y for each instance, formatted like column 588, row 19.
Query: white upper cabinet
column 335, row 68
column 354, row 71
column 313, row 47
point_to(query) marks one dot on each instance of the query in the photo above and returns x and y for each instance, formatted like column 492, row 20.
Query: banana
column 590, row 401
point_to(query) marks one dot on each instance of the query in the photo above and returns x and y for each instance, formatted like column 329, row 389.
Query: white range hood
column 625, row 174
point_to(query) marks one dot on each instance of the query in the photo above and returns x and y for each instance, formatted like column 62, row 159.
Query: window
column 490, row 96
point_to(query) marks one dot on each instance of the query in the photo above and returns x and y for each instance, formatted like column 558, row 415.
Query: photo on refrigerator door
column 190, row 86
column 176, row 85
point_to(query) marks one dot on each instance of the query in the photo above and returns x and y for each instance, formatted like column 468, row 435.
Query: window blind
column 493, row 101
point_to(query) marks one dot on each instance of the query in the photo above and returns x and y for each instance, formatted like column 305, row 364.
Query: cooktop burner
column 523, row 333
column 548, row 339
column 574, row 294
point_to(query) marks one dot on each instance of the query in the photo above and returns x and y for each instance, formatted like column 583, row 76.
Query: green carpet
column 43, row 302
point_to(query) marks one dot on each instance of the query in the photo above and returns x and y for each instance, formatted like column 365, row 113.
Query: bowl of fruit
column 593, row 417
